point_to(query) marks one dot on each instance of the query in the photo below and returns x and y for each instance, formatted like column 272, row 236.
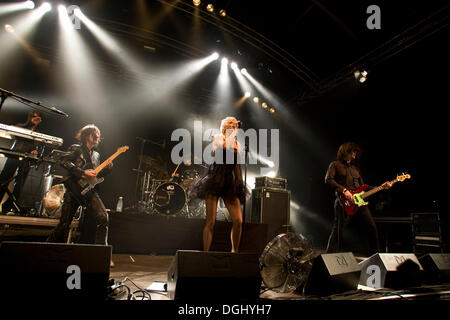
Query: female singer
column 223, row 179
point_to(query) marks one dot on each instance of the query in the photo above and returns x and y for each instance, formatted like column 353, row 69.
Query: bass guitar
column 87, row 185
column 358, row 195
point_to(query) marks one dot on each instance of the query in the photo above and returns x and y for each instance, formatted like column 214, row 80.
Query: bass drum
column 169, row 198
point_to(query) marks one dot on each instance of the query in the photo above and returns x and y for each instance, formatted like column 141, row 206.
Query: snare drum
column 169, row 198
column 188, row 177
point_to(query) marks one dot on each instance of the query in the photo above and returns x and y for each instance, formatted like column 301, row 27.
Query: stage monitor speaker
column 51, row 270
column 391, row 270
column 436, row 268
column 272, row 207
column 332, row 273
column 213, row 276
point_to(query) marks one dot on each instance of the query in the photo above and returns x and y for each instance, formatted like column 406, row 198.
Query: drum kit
column 169, row 196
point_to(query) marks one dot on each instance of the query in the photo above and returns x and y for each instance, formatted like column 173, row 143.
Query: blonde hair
column 225, row 124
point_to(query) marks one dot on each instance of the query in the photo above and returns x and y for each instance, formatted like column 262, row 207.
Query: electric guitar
column 87, row 185
column 358, row 195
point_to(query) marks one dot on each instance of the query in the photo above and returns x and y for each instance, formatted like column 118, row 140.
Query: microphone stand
column 139, row 170
column 138, row 175
column 245, row 181
column 4, row 94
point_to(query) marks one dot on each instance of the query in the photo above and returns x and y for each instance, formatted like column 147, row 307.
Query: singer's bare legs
column 234, row 208
column 208, row 230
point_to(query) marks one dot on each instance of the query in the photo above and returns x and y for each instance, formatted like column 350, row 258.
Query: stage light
column 9, row 28
column 255, row 99
column 223, row 13
column 233, row 65
column 62, row 9
column 215, row 56
column 29, row 4
column 46, row 7
column 360, row 76
column 210, row 8
column 196, row 2
column 272, row 110
column 11, row 7
column 224, row 60
column 243, row 71
column 264, row 105
column 247, row 94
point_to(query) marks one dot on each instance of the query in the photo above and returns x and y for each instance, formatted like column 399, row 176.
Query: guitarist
column 343, row 175
column 80, row 163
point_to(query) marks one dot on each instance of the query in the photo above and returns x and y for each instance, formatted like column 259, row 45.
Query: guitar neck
column 375, row 190
column 104, row 163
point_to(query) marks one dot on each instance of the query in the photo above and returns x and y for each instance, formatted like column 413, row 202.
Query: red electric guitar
column 351, row 207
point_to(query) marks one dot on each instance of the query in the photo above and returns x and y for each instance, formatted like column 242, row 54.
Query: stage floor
column 140, row 271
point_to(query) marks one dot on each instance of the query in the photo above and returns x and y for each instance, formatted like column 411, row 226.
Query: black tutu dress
column 220, row 179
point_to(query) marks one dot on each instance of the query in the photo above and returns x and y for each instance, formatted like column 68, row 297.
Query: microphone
column 59, row 111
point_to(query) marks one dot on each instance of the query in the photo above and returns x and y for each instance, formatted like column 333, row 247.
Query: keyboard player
column 22, row 167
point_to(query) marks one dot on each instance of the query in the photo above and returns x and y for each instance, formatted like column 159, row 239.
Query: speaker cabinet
column 50, row 270
column 213, row 276
column 333, row 273
column 436, row 267
column 391, row 270
column 272, row 207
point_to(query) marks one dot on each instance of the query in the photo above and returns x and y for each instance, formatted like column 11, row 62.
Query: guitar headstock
column 123, row 149
column 403, row 177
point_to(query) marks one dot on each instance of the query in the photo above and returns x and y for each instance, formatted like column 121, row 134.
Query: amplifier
column 279, row 183
column 272, row 207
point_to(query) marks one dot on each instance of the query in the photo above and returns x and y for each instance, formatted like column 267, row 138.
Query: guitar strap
column 87, row 158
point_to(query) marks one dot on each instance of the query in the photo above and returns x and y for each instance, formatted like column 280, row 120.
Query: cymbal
column 153, row 162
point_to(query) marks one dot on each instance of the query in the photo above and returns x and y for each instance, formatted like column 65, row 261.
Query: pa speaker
column 332, row 273
column 272, row 207
column 212, row 276
column 51, row 270
column 391, row 270
column 436, row 267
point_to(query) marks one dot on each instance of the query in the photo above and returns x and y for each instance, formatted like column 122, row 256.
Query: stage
column 141, row 233
column 144, row 247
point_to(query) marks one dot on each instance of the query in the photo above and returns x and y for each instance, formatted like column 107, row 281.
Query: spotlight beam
column 109, row 43
column 243, row 83
column 22, row 28
column 12, row 7
column 79, row 79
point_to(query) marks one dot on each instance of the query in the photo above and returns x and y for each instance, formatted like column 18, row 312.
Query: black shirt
column 341, row 175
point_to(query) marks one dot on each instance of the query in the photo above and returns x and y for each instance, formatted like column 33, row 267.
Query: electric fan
column 286, row 262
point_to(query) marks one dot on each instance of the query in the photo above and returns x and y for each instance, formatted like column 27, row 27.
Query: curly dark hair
column 347, row 148
column 84, row 133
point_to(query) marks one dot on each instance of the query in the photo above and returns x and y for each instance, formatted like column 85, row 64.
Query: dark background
column 302, row 52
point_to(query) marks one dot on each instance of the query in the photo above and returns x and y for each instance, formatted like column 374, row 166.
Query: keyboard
column 10, row 132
